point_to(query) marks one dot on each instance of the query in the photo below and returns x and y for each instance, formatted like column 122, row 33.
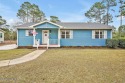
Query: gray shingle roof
column 26, row 25
column 80, row 25
column 74, row 25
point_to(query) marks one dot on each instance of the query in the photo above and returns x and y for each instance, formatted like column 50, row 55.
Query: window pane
column 63, row 32
column 68, row 36
column 97, row 36
column 0, row 35
column 30, row 32
column 101, row 32
column 62, row 36
column 96, row 32
column 101, row 36
column 67, row 32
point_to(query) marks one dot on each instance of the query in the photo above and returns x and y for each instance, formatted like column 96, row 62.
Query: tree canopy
column 95, row 12
column 121, row 30
column 100, row 12
column 30, row 13
column 2, row 21
column 54, row 19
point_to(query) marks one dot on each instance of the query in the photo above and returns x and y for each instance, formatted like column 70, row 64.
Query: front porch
column 46, row 38
column 46, row 35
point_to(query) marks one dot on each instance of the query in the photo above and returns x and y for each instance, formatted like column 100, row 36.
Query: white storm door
column 45, row 36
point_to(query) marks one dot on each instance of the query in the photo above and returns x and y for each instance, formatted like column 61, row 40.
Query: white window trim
column 70, row 34
column 26, row 32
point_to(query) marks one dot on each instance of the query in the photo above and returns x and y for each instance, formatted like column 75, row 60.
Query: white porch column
column 34, row 37
column 59, row 37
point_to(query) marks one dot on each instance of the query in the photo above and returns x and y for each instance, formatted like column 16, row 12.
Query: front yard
column 69, row 66
column 12, row 54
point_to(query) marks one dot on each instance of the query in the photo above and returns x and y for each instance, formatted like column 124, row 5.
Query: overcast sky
column 66, row 10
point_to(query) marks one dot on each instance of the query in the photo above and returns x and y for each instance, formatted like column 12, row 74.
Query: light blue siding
column 84, row 38
column 80, row 37
column 24, row 40
column 109, row 34
column 46, row 25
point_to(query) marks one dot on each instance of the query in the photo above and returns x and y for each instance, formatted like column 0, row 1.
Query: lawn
column 69, row 66
column 12, row 54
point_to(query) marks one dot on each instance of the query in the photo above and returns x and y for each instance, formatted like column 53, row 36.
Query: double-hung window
column 66, row 34
column 99, row 34
column 29, row 32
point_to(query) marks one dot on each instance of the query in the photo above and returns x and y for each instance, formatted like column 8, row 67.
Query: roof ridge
column 81, row 22
column 70, row 22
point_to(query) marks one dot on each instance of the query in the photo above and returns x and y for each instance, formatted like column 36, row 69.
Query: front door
column 45, row 36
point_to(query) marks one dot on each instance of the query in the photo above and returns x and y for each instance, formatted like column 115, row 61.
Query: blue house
column 48, row 34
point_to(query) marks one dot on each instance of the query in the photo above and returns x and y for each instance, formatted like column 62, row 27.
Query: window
column 29, row 33
column 66, row 34
column 62, row 34
column 0, row 35
column 99, row 34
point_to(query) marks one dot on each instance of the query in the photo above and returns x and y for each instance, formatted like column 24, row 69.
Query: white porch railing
column 50, row 43
column 53, row 43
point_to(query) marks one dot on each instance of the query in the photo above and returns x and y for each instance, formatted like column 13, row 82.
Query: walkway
column 31, row 56
column 8, row 47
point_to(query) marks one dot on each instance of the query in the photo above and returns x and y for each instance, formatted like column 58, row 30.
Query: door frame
column 43, row 35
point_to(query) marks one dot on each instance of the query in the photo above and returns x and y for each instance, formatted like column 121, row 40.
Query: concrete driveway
column 8, row 47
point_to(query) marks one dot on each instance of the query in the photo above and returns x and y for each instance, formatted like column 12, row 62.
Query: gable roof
column 45, row 22
column 68, row 25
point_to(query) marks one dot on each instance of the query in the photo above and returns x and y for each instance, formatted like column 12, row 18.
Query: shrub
column 122, row 43
column 112, row 43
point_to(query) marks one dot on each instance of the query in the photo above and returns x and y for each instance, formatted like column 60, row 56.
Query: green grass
column 11, row 54
column 69, row 66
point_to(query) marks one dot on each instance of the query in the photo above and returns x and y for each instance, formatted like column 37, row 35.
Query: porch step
column 42, row 45
column 49, row 46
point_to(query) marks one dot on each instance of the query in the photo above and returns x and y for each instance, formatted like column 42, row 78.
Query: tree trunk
column 107, row 15
column 100, row 16
column 27, row 16
column 121, row 15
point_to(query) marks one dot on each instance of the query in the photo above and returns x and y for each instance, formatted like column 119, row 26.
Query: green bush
column 112, row 43
column 122, row 43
